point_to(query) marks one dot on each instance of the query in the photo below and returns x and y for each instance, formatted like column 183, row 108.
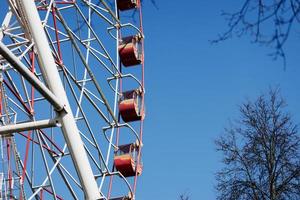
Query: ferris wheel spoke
column 94, row 52
column 87, row 95
column 87, row 67
column 60, row 168
column 83, row 38
column 18, row 103
column 97, row 38
column 45, row 161
column 85, row 92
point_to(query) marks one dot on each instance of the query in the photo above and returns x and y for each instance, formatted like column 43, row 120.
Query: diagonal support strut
column 30, row 77
column 52, row 78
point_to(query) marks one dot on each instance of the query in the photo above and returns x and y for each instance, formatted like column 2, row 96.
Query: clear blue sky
column 194, row 88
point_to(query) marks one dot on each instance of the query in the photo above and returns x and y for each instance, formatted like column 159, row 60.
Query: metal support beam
column 30, row 77
column 14, row 128
column 52, row 79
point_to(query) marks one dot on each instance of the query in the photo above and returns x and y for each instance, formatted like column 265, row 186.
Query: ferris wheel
column 71, row 99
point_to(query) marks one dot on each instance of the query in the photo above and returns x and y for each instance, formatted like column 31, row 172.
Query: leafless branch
column 261, row 153
column 269, row 23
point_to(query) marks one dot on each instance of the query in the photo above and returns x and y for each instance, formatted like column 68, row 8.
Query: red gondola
column 130, row 107
column 126, row 160
column 130, row 51
column 127, row 4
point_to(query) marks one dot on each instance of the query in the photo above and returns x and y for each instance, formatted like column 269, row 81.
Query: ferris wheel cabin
column 126, row 160
column 130, row 106
column 130, row 51
column 127, row 4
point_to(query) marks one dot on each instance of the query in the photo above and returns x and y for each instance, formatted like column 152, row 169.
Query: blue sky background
column 194, row 89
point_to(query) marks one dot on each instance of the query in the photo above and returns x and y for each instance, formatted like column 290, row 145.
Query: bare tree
column 268, row 22
column 260, row 153
column 184, row 197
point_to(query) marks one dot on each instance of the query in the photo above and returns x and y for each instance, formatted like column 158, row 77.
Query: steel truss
column 60, row 83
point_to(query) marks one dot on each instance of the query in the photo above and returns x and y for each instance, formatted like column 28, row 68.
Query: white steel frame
column 36, row 35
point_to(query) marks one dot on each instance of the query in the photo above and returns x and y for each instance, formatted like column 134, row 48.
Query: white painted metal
column 51, row 76
column 13, row 128
column 22, row 69
column 5, row 22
